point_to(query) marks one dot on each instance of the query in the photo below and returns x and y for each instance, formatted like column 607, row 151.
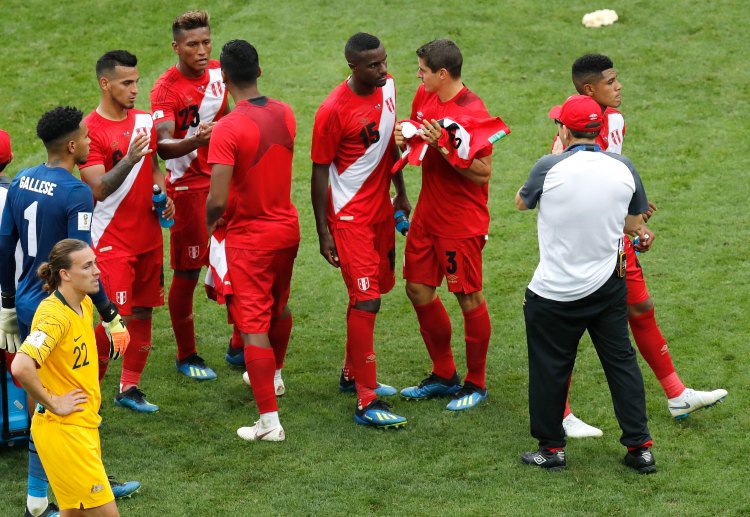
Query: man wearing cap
column 584, row 196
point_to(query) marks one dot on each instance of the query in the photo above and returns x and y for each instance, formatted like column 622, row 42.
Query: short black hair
column 113, row 58
column 585, row 135
column 588, row 68
column 239, row 62
column 442, row 53
column 189, row 21
column 359, row 43
column 58, row 123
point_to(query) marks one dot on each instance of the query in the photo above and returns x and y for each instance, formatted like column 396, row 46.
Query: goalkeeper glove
column 118, row 335
column 10, row 338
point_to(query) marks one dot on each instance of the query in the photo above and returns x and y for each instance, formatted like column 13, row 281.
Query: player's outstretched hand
column 10, row 338
column 203, row 133
column 118, row 335
column 68, row 403
column 138, row 148
column 328, row 249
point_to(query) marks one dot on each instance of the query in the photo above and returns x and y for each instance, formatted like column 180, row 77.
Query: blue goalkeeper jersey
column 44, row 206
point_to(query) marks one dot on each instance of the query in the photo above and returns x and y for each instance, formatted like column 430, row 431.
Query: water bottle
column 402, row 222
column 160, row 203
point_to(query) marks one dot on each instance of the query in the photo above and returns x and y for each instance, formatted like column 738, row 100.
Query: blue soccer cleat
column 433, row 386
column 378, row 414
column 195, row 367
column 467, row 397
column 135, row 399
column 122, row 490
column 348, row 386
column 235, row 356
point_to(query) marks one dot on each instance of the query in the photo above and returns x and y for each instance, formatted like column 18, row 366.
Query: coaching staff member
column 584, row 196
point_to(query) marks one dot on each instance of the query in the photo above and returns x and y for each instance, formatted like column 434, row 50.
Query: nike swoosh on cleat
column 686, row 406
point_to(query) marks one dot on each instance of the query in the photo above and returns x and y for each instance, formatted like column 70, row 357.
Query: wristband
column 8, row 300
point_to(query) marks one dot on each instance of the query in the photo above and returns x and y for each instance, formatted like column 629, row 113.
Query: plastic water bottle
column 636, row 241
column 160, row 203
column 402, row 222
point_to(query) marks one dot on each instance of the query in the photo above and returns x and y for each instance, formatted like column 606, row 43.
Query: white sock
column 270, row 420
column 277, row 375
column 36, row 505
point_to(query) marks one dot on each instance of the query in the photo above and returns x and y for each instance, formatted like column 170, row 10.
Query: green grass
column 686, row 95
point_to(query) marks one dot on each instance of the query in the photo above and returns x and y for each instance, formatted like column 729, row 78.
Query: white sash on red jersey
column 615, row 132
column 105, row 210
column 213, row 98
column 217, row 283
column 346, row 184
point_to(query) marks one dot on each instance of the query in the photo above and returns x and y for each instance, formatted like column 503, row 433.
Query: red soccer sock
column 435, row 327
column 360, row 330
column 261, row 366
column 134, row 360
column 236, row 342
column 653, row 347
column 102, row 348
column 348, row 370
column 181, row 313
column 278, row 335
column 477, row 332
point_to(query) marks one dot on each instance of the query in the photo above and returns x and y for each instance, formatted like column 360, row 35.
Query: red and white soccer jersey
column 612, row 133
column 187, row 102
column 123, row 224
column 449, row 204
column 354, row 134
column 257, row 139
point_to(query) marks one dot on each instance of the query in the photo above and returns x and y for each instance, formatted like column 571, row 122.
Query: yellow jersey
column 63, row 345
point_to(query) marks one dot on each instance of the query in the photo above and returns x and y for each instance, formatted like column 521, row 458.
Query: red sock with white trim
column 477, row 331
column 261, row 366
column 180, row 302
column 435, row 327
column 653, row 347
column 360, row 330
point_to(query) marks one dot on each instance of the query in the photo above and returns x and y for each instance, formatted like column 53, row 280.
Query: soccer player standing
column 251, row 180
column 125, row 232
column 62, row 347
column 46, row 204
column 448, row 232
column 353, row 145
column 186, row 102
column 594, row 75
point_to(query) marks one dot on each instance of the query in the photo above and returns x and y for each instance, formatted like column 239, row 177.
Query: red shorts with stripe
column 634, row 280
column 428, row 258
column 367, row 255
column 188, row 240
column 133, row 281
column 260, row 286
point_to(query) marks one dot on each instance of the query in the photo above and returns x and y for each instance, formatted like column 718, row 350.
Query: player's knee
column 192, row 274
column 419, row 294
column 636, row 309
column 470, row 301
column 368, row 305
column 142, row 313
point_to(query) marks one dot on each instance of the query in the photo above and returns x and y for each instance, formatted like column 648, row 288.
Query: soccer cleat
column 433, row 386
column 546, row 459
column 258, row 433
column 195, row 367
column 235, row 356
column 122, row 490
column 135, row 399
column 467, row 397
column 641, row 460
column 574, row 427
column 51, row 511
column 278, row 383
column 690, row 400
column 349, row 386
column 378, row 414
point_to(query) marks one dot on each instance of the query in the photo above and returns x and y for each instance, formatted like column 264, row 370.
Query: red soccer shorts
column 634, row 280
column 188, row 247
column 368, row 259
column 428, row 258
column 260, row 286
column 133, row 281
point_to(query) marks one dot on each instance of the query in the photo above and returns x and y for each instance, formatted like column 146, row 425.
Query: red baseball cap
column 554, row 112
column 581, row 113
column 5, row 151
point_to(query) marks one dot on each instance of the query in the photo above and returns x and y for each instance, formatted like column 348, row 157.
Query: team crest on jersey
column 193, row 251
column 391, row 105
column 96, row 488
column 420, row 115
column 363, row 283
column 140, row 131
column 121, row 297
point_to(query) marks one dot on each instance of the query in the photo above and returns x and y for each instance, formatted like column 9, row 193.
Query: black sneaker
column 51, row 509
column 346, row 385
column 641, row 460
column 235, row 356
column 545, row 459
column 433, row 386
